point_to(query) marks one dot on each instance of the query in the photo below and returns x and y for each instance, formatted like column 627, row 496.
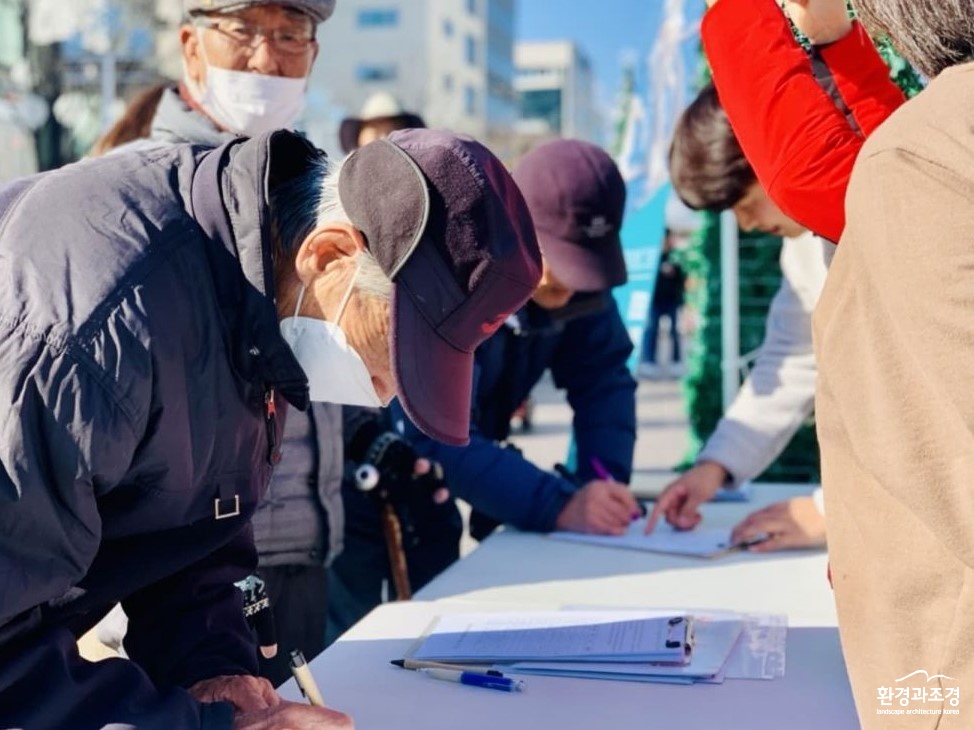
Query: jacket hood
column 231, row 202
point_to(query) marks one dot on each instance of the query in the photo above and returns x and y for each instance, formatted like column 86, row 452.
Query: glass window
column 447, row 28
column 543, row 104
column 372, row 72
column 470, row 101
column 378, row 17
column 448, row 83
column 472, row 7
column 471, row 50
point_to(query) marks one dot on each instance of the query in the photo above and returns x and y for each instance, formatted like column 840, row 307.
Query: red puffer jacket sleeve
column 798, row 141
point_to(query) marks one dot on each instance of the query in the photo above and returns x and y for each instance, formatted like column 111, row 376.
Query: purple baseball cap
column 577, row 198
column 448, row 225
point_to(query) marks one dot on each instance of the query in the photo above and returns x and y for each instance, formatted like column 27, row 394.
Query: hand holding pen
column 603, row 506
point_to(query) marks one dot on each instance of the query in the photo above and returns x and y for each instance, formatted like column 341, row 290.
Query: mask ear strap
column 348, row 295
column 297, row 307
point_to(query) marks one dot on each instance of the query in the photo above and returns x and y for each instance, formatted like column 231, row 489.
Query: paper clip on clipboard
column 680, row 633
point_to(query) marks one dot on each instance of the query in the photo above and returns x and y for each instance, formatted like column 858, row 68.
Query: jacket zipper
column 270, row 421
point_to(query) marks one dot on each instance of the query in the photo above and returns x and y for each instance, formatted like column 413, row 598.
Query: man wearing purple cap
column 571, row 327
column 182, row 298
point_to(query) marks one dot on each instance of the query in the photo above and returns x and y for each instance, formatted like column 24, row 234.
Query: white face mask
column 336, row 373
column 251, row 103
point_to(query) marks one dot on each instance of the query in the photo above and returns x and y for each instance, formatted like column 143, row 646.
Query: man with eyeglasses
column 245, row 69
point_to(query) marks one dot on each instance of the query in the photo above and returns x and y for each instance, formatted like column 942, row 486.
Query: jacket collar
column 176, row 120
column 230, row 202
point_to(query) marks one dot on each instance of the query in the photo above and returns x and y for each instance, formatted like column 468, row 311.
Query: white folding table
column 513, row 570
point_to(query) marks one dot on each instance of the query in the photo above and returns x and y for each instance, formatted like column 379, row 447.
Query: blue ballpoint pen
column 475, row 679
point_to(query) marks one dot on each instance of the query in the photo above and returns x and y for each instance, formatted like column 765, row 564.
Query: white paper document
column 699, row 543
column 608, row 636
column 715, row 637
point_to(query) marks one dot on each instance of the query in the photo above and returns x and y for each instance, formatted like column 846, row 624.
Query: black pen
column 745, row 544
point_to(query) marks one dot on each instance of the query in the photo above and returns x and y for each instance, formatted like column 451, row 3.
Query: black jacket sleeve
column 64, row 441
column 191, row 625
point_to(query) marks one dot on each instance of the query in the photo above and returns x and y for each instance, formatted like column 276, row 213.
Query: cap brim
column 434, row 380
column 582, row 269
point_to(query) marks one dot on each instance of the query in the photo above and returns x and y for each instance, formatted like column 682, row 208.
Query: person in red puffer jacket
column 801, row 146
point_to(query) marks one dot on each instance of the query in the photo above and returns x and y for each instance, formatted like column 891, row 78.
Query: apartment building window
column 447, row 28
column 471, row 50
column 470, row 101
column 378, row 17
column 472, row 7
column 376, row 72
column 448, row 83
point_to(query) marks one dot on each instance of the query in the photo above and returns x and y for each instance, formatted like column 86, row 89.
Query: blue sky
column 604, row 29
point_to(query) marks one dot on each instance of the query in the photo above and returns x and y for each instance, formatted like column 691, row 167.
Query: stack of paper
column 631, row 645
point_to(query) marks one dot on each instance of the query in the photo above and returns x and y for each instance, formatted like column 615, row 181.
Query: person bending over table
column 180, row 299
column 709, row 172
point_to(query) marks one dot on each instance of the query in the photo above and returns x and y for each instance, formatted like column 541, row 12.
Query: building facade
column 556, row 92
column 452, row 61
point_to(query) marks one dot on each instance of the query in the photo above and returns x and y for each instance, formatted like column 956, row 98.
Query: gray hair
column 931, row 34
column 370, row 280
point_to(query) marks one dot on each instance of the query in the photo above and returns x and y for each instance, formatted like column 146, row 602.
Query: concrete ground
column 662, row 439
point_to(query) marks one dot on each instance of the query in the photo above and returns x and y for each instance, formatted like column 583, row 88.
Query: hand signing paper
column 680, row 501
column 600, row 507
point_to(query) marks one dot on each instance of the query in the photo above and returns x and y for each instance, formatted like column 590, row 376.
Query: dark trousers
column 670, row 310
column 299, row 600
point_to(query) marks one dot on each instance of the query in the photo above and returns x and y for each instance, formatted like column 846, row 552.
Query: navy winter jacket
column 586, row 347
column 139, row 346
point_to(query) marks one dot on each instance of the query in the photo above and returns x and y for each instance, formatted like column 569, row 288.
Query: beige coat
column 894, row 338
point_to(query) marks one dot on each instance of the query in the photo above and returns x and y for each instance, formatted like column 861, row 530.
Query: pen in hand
column 605, row 475
column 304, row 678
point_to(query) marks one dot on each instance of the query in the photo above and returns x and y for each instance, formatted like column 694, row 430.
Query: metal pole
column 730, row 314
column 108, row 89
column 109, row 83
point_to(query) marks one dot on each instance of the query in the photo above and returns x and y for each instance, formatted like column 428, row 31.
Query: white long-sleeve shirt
column 779, row 393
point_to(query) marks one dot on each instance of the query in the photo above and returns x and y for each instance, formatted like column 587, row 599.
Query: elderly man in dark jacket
column 159, row 309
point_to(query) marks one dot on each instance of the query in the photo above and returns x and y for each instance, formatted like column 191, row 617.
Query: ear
column 331, row 245
column 193, row 65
